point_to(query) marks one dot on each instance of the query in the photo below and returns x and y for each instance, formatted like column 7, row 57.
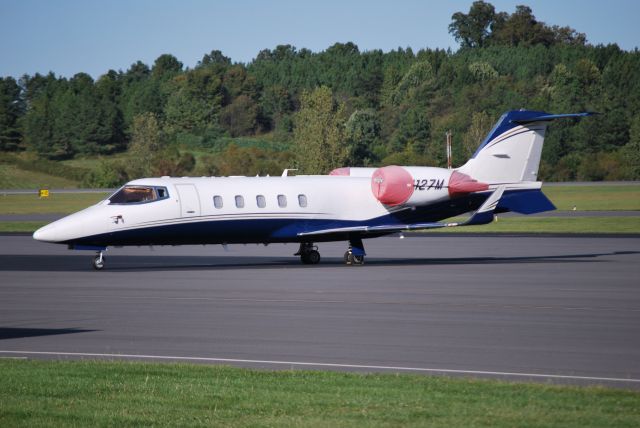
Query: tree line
column 341, row 106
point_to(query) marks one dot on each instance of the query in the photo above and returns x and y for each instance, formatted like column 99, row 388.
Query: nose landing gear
column 98, row 261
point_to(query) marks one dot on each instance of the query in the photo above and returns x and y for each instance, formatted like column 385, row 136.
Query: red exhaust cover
column 461, row 184
column 392, row 185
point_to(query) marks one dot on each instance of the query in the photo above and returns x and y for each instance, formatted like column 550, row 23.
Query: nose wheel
column 98, row 261
column 308, row 253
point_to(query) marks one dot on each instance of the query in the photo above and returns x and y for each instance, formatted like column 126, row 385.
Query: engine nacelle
column 353, row 171
column 413, row 185
column 430, row 184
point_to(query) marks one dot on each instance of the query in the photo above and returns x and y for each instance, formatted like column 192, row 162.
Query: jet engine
column 410, row 185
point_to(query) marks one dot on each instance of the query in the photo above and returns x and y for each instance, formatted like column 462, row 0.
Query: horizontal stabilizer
column 526, row 202
column 548, row 117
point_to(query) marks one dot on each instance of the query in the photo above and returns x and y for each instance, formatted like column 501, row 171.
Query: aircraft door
column 189, row 200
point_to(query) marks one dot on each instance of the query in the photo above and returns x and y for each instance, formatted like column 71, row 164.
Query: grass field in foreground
column 89, row 393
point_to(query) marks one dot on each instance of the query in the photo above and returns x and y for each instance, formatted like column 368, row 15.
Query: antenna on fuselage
column 285, row 173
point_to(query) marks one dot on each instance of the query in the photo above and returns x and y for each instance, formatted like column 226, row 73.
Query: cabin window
column 217, row 201
column 261, row 201
column 302, row 201
column 138, row 195
column 282, row 201
column 239, row 201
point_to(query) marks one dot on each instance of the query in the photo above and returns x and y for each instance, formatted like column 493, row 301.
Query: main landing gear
column 355, row 254
column 308, row 253
column 98, row 261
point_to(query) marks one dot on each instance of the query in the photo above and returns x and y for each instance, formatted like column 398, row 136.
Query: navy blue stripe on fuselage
column 258, row 229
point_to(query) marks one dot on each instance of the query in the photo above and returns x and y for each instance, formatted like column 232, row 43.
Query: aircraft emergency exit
column 349, row 204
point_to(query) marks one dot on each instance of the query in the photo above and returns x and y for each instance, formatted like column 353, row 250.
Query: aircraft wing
column 483, row 215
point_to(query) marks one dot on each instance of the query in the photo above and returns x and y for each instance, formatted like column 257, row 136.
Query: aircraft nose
column 46, row 234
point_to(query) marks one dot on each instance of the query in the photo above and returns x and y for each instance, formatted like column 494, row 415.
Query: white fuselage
column 307, row 201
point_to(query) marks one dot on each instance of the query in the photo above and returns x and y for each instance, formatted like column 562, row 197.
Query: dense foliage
column 341, row 105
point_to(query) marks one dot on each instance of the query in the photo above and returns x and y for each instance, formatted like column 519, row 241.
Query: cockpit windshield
column 138, row 195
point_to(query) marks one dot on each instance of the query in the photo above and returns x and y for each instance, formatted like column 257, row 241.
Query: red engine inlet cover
column 392, row 185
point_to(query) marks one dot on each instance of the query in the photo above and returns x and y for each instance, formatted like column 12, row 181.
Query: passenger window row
column 261, row 201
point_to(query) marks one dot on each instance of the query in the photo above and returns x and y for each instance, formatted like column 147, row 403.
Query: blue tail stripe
column 515, row 118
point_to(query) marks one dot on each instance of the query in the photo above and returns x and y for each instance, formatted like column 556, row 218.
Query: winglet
column 484, row 214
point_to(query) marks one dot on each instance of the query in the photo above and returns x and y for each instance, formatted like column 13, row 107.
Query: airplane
column 348, row 204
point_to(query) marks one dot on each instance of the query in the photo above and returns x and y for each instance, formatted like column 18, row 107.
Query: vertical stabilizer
column 511, row 152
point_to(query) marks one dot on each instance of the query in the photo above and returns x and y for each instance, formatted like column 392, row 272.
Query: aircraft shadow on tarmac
column 19, row 333
column 74, row 263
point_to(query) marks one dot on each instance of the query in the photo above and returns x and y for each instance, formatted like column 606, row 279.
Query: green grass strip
column 594, row 198
column 595, row 225
column 20, row 226
column 64, row 203
column 552, row 225
column 13, row 177
column 89, row 393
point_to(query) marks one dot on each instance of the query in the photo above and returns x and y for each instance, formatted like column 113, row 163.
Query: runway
column 550, row 309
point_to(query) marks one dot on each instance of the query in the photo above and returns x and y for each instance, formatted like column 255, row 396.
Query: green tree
column 38, row 121
column 194, row 103
column 146, row 145
column 319, row 132
column 11, row 109
column 631, row 151
column 275, row 103
column 413, row 132
column 166, row 66
column 480, row 126
column 362, row 132
column 472, row 29
column 237, row 82
column 419, row 77
column 108, row 90
column 215, row 57
column 140, row 94
column 240, row 117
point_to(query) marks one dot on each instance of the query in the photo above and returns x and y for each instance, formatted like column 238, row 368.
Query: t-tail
column 511, row 152
column 509, row 157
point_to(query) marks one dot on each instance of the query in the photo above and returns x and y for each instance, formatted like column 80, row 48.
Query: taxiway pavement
column 552, row 309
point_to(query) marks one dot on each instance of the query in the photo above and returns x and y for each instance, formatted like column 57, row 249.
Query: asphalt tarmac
column 547, row 309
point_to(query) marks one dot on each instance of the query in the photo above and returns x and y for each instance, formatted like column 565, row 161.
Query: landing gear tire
column 357, row 260
column 351, row 259
column 98, row 262
column 308, row 253
column 311, row 257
